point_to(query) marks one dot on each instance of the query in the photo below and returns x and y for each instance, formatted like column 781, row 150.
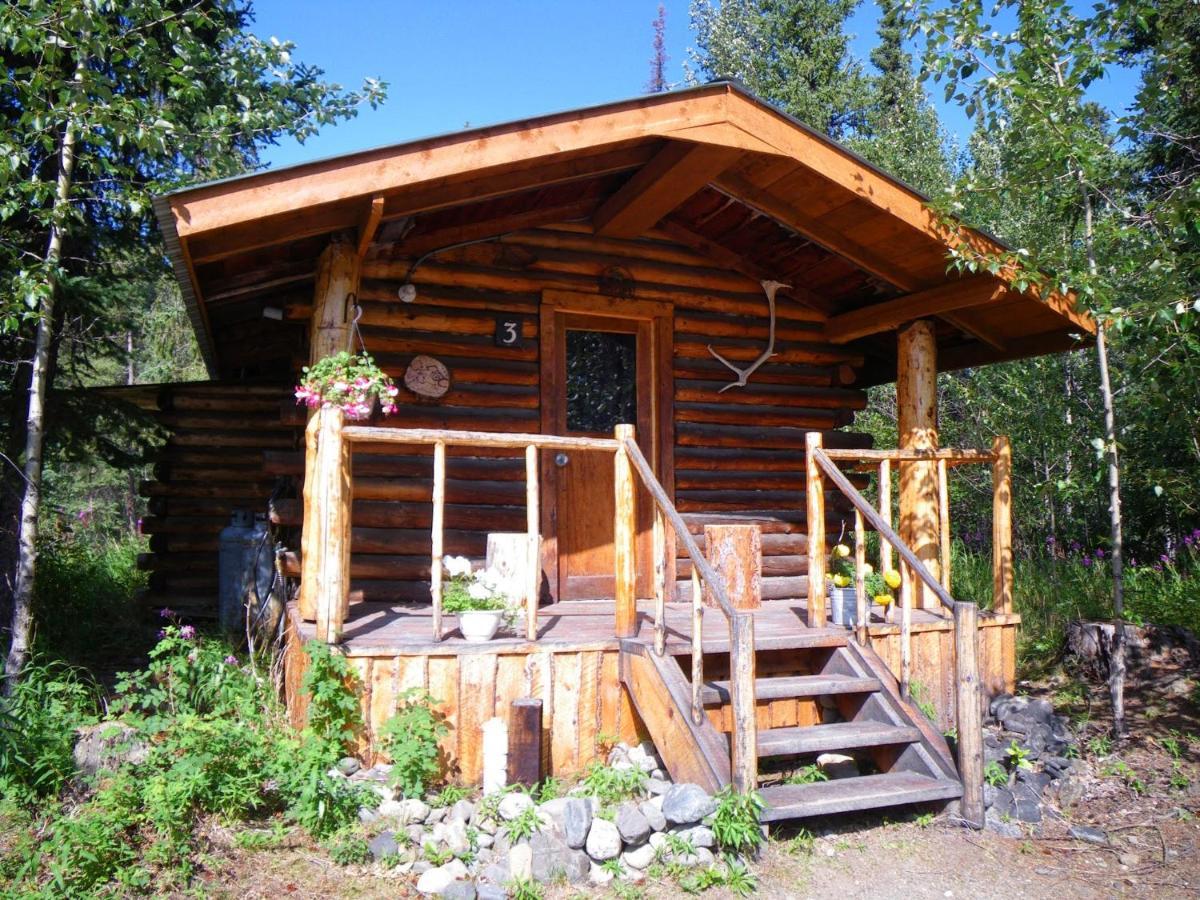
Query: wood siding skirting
column 584, row 702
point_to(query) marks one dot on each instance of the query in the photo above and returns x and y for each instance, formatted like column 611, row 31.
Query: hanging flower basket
column 349, row 382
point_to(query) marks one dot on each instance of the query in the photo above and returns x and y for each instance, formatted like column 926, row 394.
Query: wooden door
column 600, row 371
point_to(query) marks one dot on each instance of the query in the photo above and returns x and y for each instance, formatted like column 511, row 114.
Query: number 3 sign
column 508, row 331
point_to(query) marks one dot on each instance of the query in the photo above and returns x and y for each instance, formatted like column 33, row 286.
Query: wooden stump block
column 525, row 742
column 735, row 552
column 508, row 557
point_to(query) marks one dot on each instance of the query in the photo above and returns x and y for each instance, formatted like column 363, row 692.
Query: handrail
column 375, row 434
column 744, row 758
column 868, row 512
column 952, row 455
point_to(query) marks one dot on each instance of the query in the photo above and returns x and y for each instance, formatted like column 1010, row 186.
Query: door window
column 601, row 380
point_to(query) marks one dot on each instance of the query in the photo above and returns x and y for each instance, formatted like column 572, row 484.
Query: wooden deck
column 383, row 629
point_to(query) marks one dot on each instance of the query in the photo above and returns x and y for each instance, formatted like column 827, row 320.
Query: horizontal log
column 232, row 439
column 693, row 435
column 365, row 566
column 407, row 465
column 467, row 370
column 791, row 542
column 397, row 317
column 380, row 340
column 415, row 541
column 219, row 421
column 695, row 346
column 789, row 587
column 230, row 403
column 746, row 327
column 951, row 455
column 695, row 391
column 388, row 514
column 791, row 374
column 181, row 474
column 792, row 417
column 414, row 490
column 196, row 489
column 435, row 296
column 218, row 508
column 450, row 437
column 773, row 565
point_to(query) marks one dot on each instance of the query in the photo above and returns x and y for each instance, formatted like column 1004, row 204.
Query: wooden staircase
column 831, row 696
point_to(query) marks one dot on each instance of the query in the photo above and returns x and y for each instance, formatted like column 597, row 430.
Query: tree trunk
column 1116, row 674
column 35, row 438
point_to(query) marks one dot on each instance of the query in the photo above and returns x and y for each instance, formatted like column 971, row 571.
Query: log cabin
column 651, row 324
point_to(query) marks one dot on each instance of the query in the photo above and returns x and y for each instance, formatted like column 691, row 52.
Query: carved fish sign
column 770, row 287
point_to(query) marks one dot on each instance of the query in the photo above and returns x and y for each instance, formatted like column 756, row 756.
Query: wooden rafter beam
column 369, row 224
column 963, row 324
column 483, row 229
column 737, row 263
column 677, row 172
column 946, row 298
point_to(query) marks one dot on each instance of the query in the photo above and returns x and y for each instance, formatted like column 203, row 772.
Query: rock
column 1002, row 803
column 659, row 774
column 1040, row 711
column 487, row 826
column 1037, row 781
column 495, row 872
column 654, row 816
column 632, row 825
column 639, row 857
column 684, row 804
column 1028, row 811
column 384, row 792
column 699, row 836
column 996, row 825
column 393, row 809
column 409, row 812
column 462, row 811
column 553, row 859
column 1003, row 704
column 657, row 786
column 1089, row 835
column 454, row 835
column 599, row 876
column 838, row 765
column 107, row 746
column 1070, row 792
column 513, row 805
column 366, row 815
column 603, row 840
column 484, row 840
column 520, row 862
column 1056, row 766
column 460, row 890
column 437, row 880
column 348, row 765
column 1129, row 859
column 658, row 841
column 576, row 822
column 434, row 816
column 488, row 891
column 383, row 844
column 421, row 866
column 640, row 759
column 416, row 834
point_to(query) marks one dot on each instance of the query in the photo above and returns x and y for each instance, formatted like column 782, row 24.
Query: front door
column 602, row 372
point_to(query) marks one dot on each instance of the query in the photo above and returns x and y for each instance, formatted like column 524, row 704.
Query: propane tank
column 246, row 571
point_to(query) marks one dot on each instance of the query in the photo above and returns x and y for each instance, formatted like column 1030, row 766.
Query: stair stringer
column 691, row 752
column 931, row 756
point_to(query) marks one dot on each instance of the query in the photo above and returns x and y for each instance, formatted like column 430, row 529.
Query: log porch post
column 330, row 332
column 916, row 405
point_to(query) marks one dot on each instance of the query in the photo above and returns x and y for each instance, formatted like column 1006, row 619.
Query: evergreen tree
column 793, row 54
column 658, row 62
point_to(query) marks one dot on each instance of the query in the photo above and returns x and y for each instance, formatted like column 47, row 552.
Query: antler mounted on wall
column 744, row 374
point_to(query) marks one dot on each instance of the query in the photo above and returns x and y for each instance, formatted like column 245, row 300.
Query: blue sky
column 475, row 62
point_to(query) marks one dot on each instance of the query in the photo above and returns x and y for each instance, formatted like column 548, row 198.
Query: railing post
column 885, row 512
column 624, row 537
column 907, row 577
column 697, row 647
column 814, row 487
column 860, row 586
column 438, row 535
column 533, row 530
column 969, row 700
column 660, row 581
column 328, row 494
column 944, row 520
column 744, row 758
column 1002, row 551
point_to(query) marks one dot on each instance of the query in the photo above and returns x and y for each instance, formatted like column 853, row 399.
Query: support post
column 944, row 519
column 624, row 537
column 697, row 648
column 660, row 581
column 814, row 488
column 333, row 299
column 907, row 579
column 525, row 742
column 742, row 665
column 969, row 700
column 861, row 606
column 328, row 495
column 1002, row 550
column 735, row 552
column 534, row 562
column 916, row 405
column 885, row 512
column 437, row 536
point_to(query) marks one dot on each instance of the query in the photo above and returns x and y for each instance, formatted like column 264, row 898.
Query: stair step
column 795, row 801
column 716, row 693
column 838, row 736
column 806, row 639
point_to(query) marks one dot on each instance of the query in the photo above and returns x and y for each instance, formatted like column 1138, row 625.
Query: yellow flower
column 841, row 580
column 892, row 577
column 841, row 551
column 867, row 568
column 883, row 599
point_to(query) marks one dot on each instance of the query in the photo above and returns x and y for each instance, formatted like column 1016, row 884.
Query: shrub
column 610, row 785
column 736, row 821
column 410, row 739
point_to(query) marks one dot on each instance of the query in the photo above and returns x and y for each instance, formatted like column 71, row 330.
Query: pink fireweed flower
column 231, row 660
column 187, row 632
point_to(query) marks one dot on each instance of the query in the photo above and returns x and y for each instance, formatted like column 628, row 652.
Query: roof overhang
column 657, row 152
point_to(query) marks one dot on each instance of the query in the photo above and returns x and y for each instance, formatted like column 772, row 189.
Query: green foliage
column 809, row 774
column 549, row 788
column 524, row 825
column 436, row 855
column 611, row 785
column 921, row 698
column 349, row 381
column 736, row 821
column 1018, row 756
column 732, row 873
column 37, row 729
column 450, row 794
column 348, row 848
column 410, row 738
column 995, row 774
column 524, row 889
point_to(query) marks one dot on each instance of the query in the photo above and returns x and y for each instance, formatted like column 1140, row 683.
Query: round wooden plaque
column 427, row 377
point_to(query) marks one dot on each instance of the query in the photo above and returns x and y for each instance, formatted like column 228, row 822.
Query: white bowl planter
column 479, row 625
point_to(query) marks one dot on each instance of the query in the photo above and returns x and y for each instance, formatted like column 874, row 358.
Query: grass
column 1050, row 591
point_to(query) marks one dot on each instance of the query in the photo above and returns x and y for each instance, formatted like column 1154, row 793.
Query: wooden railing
column 742, row 663
column 968, row 690
column 328, row 489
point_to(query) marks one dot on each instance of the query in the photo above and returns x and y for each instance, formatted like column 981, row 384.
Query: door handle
column 561, row 459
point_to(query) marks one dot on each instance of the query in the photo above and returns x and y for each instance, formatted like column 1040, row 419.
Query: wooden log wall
column 211, row 464
column 739, row 452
